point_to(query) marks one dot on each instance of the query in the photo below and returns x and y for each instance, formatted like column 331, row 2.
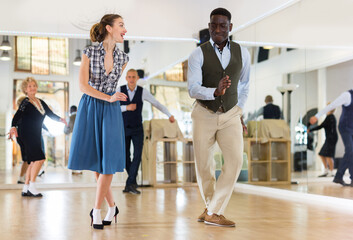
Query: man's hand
column 245, row 129
column 63, row 120
column 313, row 120
column 131, row 107
column 223, row 84
column 171, row 119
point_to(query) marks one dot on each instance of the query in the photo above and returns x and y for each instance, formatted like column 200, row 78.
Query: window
column 177, row 73
column 177, row 101
column 23, row 54
column 41, row 55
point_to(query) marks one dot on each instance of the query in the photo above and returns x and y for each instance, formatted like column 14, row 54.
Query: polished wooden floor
column 166, row 213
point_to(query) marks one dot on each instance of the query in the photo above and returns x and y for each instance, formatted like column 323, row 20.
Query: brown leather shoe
column 202, row 216
column 218, row 220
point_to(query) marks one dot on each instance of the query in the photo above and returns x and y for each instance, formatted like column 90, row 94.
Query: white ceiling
column 299, row 23
column 308, row 23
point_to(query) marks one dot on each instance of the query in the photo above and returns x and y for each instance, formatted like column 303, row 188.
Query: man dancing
column 218, row 77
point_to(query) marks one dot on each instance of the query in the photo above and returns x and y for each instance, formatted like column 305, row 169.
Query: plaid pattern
column 98, row 78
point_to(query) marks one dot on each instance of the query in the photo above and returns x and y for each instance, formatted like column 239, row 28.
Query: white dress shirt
column 196, row 90
column 344, row 99
column 146, row 95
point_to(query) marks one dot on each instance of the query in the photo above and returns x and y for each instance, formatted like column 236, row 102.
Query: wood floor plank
column 165, row 213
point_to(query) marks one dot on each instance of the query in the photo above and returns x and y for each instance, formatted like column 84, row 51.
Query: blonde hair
column 19, row 101
column 132, row 70
column 25, row 83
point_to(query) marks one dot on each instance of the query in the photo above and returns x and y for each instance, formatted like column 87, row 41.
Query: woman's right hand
column 12, row 133
column 118, row 96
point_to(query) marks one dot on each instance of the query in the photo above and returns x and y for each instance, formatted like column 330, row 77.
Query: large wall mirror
column 301, row 81
column 279, row 153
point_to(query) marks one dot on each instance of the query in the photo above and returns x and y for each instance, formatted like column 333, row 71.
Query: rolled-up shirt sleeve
column 343, row 99
column 146, row 95
column 196, row 90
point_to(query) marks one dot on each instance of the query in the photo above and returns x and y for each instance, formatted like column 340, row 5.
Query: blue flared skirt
column 98, row 139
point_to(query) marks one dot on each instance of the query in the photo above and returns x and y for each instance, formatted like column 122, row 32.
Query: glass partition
column 278, row 153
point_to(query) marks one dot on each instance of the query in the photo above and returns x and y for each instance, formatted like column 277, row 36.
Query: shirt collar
column 132, row 90
column 214, row 45
column 101, row 49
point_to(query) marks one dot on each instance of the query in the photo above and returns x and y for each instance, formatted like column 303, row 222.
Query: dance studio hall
column 201, row 119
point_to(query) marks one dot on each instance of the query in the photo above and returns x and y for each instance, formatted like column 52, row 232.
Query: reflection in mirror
column 269, row 142
column 326, row 82
column 302, row 82
column 58, row 80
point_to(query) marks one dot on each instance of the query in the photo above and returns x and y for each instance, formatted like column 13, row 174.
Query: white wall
column 156, row 56
column 305, row 97
column 267, row 75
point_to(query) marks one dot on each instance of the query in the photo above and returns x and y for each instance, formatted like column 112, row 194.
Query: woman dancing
column 27, row 128
column 98, row 141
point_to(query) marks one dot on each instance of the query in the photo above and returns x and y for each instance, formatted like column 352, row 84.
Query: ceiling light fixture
column 77, row 61
column 5, row 45
column 5, row 56
column 268, row 47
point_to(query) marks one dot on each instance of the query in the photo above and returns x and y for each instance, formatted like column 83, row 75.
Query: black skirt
column 329, row 148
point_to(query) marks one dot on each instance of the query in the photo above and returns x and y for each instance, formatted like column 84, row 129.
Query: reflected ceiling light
column 268, row 47
column 5, row 56
column 290, row 87
column 5, row 45
column 281, row 89
column 77, row 61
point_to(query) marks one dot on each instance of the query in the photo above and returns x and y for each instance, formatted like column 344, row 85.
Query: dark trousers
column 136, row 137
column 347, row 160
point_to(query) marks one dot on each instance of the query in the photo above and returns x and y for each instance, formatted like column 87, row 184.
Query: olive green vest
column 213, row 72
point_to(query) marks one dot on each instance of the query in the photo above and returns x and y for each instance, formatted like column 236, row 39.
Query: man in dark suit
column 269, row 111
column 132, row 115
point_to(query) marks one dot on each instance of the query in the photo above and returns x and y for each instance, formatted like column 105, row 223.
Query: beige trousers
column 226, row 129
